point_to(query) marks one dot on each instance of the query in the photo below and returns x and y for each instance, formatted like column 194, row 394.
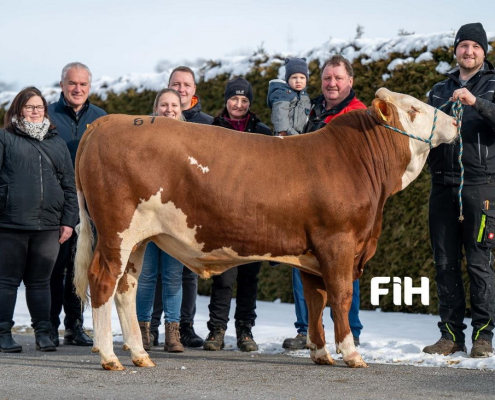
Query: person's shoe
column 214, row 340
column 172, row 338
column 356, row 341
column 54, row 336
column 144, row 327
column 77, row 336
column 188, row 337
column 7, row 342
column 42, row 332
column 445, row 346
column 297, row 343
column 154, row 337
column 481, row 348
column 245, row 340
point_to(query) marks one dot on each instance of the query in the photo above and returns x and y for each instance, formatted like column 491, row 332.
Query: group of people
column 39, row 211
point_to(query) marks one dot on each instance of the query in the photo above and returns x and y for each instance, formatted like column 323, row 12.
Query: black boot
column 54, row 336
column 42, row 332
column 76, row 336
column 245, row 340
column 188, row 337
column 7, row 343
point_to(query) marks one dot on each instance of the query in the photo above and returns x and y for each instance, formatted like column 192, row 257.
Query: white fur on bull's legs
column 349, row 353
column 103, row 338
column 316, row 299
column 125, row 301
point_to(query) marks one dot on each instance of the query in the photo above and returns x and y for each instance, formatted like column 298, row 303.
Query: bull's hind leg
column 102, row 284
column 125, row 300
column 337, row 272
column 316, row 298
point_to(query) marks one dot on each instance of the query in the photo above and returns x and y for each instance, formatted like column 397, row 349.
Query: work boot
column 297, row 343
column 172, row 338
column 144, row 327
column 445, row 346
column 77, row 336
column 54, row 336
column 214, row 340
column 188, row 337
column 154, row 334
column 356, row 341
column 42, row 332
column 481, row 348
column 245, row 340
column 7, row 342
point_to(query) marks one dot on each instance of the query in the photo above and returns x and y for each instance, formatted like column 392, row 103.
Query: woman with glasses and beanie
column 237, row 116
column 38, row 212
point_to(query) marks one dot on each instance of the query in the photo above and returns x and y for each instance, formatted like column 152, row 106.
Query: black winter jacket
column 478, row 131
column 254, row 125
column 70, row 126
column 194, row 114
column 31, row 196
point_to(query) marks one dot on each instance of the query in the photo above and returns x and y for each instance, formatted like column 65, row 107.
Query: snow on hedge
column 368, row 50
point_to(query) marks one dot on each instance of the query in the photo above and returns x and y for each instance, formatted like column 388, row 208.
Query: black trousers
column 221, row 295
column 449, row 239
column 27, row 256
column 62, row 287
column 189, row 295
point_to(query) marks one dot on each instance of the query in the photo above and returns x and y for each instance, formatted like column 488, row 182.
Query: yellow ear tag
column 381, row 114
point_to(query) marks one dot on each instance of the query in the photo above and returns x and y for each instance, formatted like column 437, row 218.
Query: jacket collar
column 62, row 105
column 487, row 69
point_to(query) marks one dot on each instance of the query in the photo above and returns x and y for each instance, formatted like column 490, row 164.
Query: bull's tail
column 84, row 250
column 85, row 238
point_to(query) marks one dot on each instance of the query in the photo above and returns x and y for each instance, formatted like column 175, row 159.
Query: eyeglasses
column 32, row 108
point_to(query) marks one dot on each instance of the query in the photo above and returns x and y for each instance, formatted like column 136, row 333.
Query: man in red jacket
column 338, row 98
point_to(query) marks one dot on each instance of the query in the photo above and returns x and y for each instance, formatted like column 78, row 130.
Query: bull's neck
column 377, row 155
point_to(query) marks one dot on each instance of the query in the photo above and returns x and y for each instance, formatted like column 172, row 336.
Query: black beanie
column 238, row 87
column 474, row 32
column 295, row 66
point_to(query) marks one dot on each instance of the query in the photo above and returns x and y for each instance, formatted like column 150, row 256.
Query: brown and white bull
column 215, row 198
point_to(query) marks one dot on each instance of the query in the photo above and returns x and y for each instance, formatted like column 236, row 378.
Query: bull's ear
column 381, row 110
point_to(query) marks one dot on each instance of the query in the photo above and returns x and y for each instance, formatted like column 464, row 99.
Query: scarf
column 36, row 130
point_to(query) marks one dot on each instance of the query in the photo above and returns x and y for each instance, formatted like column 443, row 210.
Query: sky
column 387, row 338
column 115, row 38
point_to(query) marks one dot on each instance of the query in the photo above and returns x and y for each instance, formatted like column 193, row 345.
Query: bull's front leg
column 125, row 300
column 316, row 298
column 337, row 275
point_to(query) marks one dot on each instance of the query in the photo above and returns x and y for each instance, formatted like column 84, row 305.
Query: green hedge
column 404, row 248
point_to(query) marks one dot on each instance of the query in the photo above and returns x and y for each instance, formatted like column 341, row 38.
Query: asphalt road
column 74, row 373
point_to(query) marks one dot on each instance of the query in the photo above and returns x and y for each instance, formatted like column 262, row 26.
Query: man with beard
column 472, row 82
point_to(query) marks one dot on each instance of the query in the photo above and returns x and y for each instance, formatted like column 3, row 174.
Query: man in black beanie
column 472, row 82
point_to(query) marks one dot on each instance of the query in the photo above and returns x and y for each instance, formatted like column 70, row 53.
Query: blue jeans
column 171, row 272
column 302, row 309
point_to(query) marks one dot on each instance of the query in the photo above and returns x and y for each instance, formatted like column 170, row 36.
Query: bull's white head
column 416, row 119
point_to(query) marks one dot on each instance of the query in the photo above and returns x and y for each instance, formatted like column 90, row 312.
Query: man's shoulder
column 356, row 104
column 96, row 110
column 199, row 117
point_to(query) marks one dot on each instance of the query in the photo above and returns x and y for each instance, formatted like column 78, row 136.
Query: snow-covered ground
column 387, row 338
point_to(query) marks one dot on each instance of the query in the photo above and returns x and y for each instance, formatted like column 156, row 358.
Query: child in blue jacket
column 289, row 100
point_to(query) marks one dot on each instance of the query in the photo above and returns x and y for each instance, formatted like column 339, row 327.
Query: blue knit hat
column 295, row 66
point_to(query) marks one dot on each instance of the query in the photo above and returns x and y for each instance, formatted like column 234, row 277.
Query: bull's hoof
column 144, row 362
column 113, row 366
column 95, row 349
column 321, row 356
column 356, row 363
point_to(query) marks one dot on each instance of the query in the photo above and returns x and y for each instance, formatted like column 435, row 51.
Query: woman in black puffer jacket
column 38, row 211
